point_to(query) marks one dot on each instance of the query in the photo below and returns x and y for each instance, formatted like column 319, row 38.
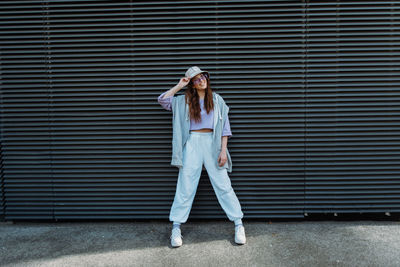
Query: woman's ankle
column 238, row 222
column 176, row 225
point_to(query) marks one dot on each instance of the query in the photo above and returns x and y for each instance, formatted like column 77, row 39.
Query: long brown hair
column 192, row 98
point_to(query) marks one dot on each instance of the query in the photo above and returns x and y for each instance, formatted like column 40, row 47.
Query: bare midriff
column 203, row 130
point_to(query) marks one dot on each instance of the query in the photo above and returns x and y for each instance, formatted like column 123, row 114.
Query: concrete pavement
column 205, row 243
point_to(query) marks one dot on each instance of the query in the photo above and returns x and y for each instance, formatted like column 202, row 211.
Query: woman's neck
column 201, row 94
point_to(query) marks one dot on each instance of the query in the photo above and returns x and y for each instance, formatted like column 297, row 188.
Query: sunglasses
column 203, row 76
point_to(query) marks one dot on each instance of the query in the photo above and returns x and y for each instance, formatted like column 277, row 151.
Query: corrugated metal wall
column 352, row 140
column 313, row 90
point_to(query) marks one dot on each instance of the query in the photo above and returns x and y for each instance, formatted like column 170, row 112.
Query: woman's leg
column 221, row 183
column 188, row 180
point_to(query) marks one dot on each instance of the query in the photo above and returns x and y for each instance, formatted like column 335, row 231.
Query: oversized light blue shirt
column 181, row 129
column 207, row 120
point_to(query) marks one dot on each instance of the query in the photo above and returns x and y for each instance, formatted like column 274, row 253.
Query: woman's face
column 200, row 81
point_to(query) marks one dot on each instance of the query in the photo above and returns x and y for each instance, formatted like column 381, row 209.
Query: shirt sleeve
column 227, row 129
column 166, row 103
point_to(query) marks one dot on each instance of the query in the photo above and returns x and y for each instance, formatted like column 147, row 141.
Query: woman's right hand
column 183, row 82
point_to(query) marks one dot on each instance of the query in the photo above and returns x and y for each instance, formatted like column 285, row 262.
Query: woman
column 205, row 108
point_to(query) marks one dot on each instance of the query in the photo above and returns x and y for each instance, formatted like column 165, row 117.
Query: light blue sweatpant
column 196, row 152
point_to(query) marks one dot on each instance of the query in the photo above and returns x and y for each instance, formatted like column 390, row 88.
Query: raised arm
column 165, row 99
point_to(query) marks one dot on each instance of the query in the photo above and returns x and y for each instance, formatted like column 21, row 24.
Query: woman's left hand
column 222, row 158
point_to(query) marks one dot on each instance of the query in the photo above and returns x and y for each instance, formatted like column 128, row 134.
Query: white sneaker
column 240, row 237
column 176, row 237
